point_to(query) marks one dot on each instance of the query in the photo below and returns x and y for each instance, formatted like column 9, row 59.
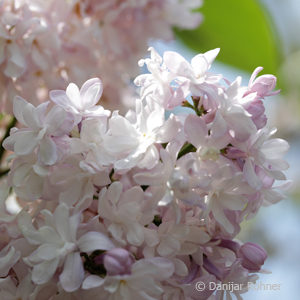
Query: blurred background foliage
column 242, row 29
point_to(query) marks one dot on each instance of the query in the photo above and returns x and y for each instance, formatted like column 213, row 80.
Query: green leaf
column 243, row 31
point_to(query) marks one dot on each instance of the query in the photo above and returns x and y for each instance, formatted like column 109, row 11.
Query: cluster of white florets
column 141, row 206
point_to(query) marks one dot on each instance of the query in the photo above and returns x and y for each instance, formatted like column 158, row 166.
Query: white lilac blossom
column 45, row 44
column 42, row 130
column 81, row 103
column 140, row 206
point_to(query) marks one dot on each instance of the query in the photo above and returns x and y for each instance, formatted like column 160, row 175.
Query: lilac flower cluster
column 46, row 43
column 140, row 206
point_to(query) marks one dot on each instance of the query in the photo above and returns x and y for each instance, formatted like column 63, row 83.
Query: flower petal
column 43, row 272
column 94, row 241
column 91, row 92
column 47, row 151
column 73, row 273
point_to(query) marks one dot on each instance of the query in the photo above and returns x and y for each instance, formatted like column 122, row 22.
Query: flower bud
column 118, row 261
column 253, row 256
column 263, row 85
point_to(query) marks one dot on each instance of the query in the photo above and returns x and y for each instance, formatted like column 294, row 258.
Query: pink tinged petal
column 233, row 202
column 44, row 271
column 168, row 131
column 31, row 117
column 219, row 127
column 135, row 234
column 119, row 126
column 92, row 281
column 151, row 237
column 8, row 288
column 49, row 235
column 200, row 65
column 148, row 178
column 102, row 179
column 61, row 221
column 26, row 287
column 160, row 268
column 116, row 231
column 241, row 124
column 114, row 192
column 33, row 236
column 9, row 142
column 250, row 175
column 120, row 145
column 155, row 119
column 150, row 158
column 78, row 191
column 177, row 64
column 47, row 252
column 94, row 241
column 78, row 146
column 41, row 110
column 197, row 234
column 25, row 142
column 133, row 195
column 278, row 164
column 168, row 246
column 26, row 113
column 60, row 98
column 18, row 107
column 180, row 267
column 155, row 57
column 271, row 197
column 8, row 259
column 143, row 289
column 54, row 120
column 195, row 130
column 16, row 64
column 91, row 92
column 254, row 74
column 275, row 148
column 96, row 111
column 27, row 229
column 219, row 215
column 234, row 86
column 38, row 59
column 92, row 130
column 113, row 288
column 47, row 151
column 73, row 94
column 73, row 273
column 211, row 55
column 74, row 222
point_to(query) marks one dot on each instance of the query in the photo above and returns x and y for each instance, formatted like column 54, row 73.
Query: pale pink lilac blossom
column 139, row 206
column 46, row 44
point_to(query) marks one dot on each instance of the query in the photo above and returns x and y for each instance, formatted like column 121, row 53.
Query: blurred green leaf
column 243, row 31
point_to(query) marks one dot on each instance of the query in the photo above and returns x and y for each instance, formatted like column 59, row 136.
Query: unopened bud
column 118, row 261
column 253, row 256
